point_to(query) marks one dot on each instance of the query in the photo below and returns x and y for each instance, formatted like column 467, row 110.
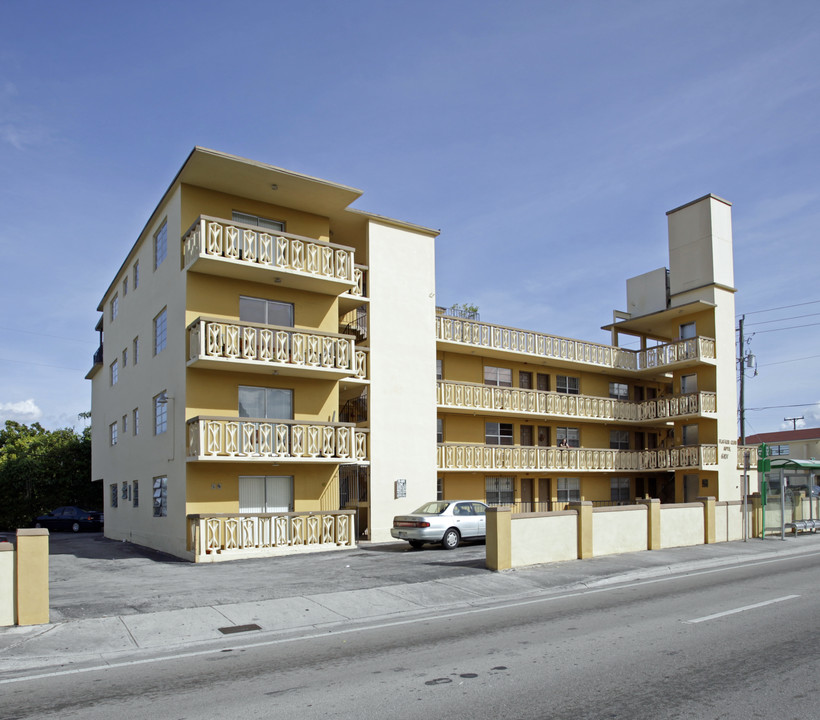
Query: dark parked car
column 71, row 518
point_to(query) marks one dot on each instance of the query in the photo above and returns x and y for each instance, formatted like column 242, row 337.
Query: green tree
column 42, row 469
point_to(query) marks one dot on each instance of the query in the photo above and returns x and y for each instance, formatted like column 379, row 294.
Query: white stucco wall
column 619, row 529
column 552, row 537
column 145, row 456
column 682, row 525
column 401, row 277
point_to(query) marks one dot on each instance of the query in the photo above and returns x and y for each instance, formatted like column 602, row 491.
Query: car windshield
column 431, row 508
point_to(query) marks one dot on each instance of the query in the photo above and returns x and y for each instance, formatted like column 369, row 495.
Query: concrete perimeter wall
column 582, row 531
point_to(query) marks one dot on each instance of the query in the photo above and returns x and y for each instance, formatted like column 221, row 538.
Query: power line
column 27, row 362
column 784, row 307
column 792, row 327
column 40, row 334
column 776, row 407
column 793, row 317
column 781, row 362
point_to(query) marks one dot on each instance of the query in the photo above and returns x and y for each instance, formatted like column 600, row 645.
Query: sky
column 546, row 140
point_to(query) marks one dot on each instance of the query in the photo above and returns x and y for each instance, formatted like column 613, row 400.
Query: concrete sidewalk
column 129, row 617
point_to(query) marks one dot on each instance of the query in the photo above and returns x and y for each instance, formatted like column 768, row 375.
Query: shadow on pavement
column 95, row 546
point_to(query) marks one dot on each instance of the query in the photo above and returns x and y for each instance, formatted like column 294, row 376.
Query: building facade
column 273, row 374
column 800, row 444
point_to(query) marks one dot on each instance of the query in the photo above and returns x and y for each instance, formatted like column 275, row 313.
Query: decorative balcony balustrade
column 245, row 439
column 487, row 398
column 360, row 280
column 698, row 349
column 302, row 352
column 288, row 259
column 753, row 456
column 472, row 457
column 565, row 350
column 227, row 535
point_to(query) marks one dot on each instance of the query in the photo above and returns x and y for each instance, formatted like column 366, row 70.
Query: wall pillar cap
column 23, row 532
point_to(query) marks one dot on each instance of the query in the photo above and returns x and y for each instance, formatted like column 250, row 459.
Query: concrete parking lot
column 92, row 576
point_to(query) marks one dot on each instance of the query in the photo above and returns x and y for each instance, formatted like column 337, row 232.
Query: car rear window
column 431, row 508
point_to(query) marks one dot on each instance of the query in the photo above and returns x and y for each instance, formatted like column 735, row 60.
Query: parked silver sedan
column 443, row 521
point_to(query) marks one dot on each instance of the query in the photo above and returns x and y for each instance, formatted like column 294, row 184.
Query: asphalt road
column 733, row 643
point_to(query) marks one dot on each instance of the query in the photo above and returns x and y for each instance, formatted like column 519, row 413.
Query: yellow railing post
column 708, row 519
column 653, row 523
column 584, row 510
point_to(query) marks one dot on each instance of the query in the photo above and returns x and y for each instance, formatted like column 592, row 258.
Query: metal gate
column 354, row 494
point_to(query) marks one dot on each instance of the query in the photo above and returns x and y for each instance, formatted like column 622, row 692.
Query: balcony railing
column 741, row 449
column 288, row 259
column 565, row 350
column 487, row 398
column 246, row 439
column 470, row 457
column 697, row 349
column 232, row 535
column 302, row 352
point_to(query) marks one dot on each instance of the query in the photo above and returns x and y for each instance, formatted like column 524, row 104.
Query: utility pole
column 793, row 421
column 742, row 361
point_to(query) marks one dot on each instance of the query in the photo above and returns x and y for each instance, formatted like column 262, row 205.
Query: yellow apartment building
column 274, row 376
column 536, row 421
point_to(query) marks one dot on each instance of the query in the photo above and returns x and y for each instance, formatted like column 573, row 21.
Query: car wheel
column 75, row 527
column 416, row 543
column 451, row 539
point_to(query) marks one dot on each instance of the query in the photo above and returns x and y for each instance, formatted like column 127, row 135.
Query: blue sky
column 546, row 140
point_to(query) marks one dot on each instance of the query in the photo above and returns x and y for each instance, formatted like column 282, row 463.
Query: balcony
column 515, row 458
column 230, row 536
column 460, row 335
column 230, row 249
column 271, row 349
column 753, row 457
column 280, row 441
column 471, row 398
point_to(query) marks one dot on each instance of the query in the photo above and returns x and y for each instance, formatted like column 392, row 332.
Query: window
column 115, row 372
column 619, row 489
column 125, row 357
column 497, row 376
column 567, row 437
column 690, row 434
column 258, row 221
column 439, row 489
column 136, row 494
column 160, row 331
column 498, row 433
column 136, row 274
column 439, row 372
column 499, row 490
column 125, row 286
column 265, row 494
column 567, row 384
column 136, row 418
column 568, row 489
column 778, row 449
column 124, row 424
column 543, row 436
column 439, row 430
column 271, row 403
column 525, row 380
column 160, row 496
column 619, row 439
column 161, row 245
column 265, row 312
column 160, row 413
column 527, row 435
column 124, row 490
column 115, row 306
column 687, row 331
column 619, row 391
column 136, row 350
column 113, row 495
column 542, row 382
column 688, row 384
column 112, row 433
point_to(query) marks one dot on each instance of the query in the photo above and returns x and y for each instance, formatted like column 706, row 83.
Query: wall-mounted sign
column 401, row 488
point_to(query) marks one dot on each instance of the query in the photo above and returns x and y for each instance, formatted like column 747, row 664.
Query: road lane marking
column 740, row 609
